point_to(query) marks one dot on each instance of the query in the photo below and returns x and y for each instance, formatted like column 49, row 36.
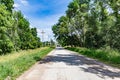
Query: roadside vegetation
column 111, row 57
column 15, row 64
column 19, row 43
column 15, row 31
column 90, row 24
column 93, row 25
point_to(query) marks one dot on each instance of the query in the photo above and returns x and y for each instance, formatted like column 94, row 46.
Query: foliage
column 109, row 56
column 8, row 4
column 90, row 23
column 15, row 31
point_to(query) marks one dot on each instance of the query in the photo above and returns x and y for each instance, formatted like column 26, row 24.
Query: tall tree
column 91, row 23
column 8, row 3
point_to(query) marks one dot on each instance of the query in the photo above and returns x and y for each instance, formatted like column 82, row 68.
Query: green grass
column 110, row 57
column 15, row 64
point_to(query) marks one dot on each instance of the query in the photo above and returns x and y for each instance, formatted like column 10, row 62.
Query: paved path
column 62, row 64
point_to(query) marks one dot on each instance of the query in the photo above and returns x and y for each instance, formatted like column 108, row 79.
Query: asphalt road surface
column 62, row 64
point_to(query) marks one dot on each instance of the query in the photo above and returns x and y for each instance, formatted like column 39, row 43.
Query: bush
column 109, row 56
column 6, row 46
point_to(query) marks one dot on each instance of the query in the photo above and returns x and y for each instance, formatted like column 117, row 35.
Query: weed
column 107, row 56
column 16, row 64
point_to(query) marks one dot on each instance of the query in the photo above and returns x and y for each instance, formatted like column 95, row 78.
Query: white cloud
column 16, row 5
column 42, row 23
column 45, row 24
column 19, row 4
column 24, row 2
column 47, row 36
column 26, row 7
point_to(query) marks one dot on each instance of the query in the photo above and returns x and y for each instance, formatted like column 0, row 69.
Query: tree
column 8, row 3
column 36, row 40
column 6, row 44
column 91, row 24
column 15, row 31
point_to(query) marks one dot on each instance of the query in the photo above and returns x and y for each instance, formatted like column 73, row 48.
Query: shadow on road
column 93, row 66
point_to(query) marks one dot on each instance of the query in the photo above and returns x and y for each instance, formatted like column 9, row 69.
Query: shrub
column 110, row 56
column 6, row 46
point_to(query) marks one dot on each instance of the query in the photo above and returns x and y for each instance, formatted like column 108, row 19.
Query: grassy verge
column 15, row 64
column 110, row 57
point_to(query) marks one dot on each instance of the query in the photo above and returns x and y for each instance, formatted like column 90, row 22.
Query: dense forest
column 15, row 31
column 90, row 24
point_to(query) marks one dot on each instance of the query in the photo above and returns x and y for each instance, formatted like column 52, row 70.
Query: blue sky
column 42, row 14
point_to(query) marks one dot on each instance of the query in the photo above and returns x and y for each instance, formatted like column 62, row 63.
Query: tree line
column 15, row 31
column 91, row 24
